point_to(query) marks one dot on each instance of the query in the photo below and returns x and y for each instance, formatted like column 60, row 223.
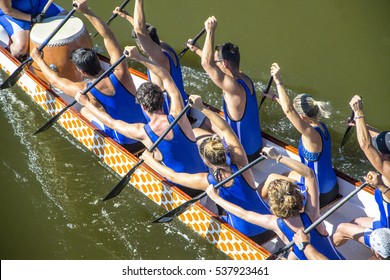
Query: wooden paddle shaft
column 47, row 6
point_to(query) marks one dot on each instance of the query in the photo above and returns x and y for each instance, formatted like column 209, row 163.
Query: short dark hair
column 87, row 61
column 152, row 33
column 150, row 96
column 230, row 52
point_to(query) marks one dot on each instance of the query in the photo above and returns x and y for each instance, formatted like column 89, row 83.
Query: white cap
column 380, row 241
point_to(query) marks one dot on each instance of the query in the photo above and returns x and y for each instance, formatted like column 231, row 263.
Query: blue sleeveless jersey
column 382, row 221
column 241, row 194
column 32, row 7
column 177, row 77
column 248, row 128
column 384, row 210
column 322, row 243
column 320, row 163
column 180, row 153
column 120, row 106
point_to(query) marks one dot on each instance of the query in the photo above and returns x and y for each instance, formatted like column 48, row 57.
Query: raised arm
column 364, row 139
column 149, row 46
column 174, row 94
column 313, row 203
column 224, row 130
column 124, row 14
column 309, row 134
column 196, row 181
column 112, row 45
column 223, row 81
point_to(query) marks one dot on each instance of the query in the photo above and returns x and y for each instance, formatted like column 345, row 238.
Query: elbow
column 309, row 173
column 205, row 63
column 365, row 144
column 139, row 29
column 288, row 109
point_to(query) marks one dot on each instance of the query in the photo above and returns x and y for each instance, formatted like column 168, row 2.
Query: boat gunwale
column 263, row 253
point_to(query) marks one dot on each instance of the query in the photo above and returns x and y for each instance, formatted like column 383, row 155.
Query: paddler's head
column 86, row 61
column 150, row 97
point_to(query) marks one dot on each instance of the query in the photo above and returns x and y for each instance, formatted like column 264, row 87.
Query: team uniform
column 322, row 243
column 33, row 7
column 120, row 106
column 177, row 77
column 241, row 194
column 321, row 164
column 382, row 221
column 179, row 153
column 247, row 128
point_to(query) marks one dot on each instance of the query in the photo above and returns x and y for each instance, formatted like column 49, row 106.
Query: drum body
column 56, row 53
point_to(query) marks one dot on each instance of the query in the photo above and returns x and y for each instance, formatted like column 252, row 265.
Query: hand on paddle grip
column 270, row 152
column 38, row 18
column 196, row 101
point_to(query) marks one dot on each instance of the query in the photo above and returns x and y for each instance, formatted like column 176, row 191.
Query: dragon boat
column 197, row 217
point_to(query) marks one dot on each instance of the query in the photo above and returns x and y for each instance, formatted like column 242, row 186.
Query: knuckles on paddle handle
column 38, row 18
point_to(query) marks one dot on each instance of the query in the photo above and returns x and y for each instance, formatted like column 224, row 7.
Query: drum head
column 71, row 31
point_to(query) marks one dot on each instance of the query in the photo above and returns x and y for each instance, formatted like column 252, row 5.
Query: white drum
column 71, row 36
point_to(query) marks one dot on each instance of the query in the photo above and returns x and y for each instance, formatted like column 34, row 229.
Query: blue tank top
column 322, row 243
column 180, row 153
column 28, row 7
column 384, row 211
column 248, row 128
column 320, row 163
column 120, row 106
column 177, row 77
column 241, row 194
column 34, row 7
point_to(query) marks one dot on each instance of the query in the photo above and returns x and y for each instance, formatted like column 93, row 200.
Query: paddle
column 183, row 207
column 47, row 6
column 50, row 123
column 347, row 133
column 271, row 79
column 114, row 15
column 121, row 185
column 14, row 77
column 193, row 41
column 320, row 220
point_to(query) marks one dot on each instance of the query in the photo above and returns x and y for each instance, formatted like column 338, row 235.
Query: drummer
column 17, row 17
column 114, row 94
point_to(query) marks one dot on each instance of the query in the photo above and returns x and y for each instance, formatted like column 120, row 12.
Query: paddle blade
column 346, row 137
column 14, row 77
column 119, row 187
column 54, row 119
column 271, row 79
column 262, row 101
column 272, row 257
column 122, row 184
column 347, row 133
column 176, row 212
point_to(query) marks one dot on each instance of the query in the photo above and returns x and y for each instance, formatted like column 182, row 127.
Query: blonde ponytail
column 305, row 105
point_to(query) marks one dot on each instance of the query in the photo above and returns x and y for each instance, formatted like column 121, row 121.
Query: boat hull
column 233, row 243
